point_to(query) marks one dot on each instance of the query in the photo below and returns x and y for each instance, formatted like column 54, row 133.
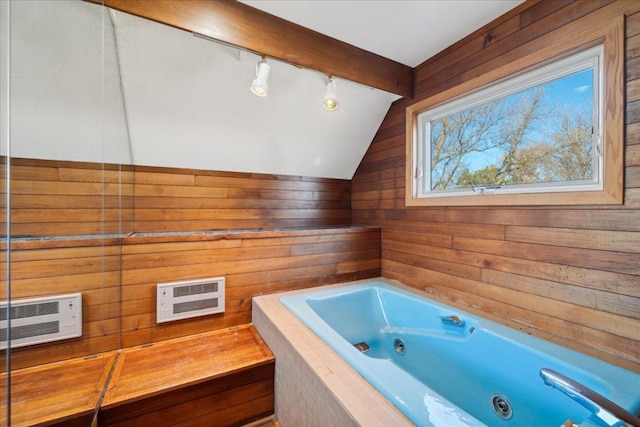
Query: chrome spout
column 600, row 406
column 452, row 320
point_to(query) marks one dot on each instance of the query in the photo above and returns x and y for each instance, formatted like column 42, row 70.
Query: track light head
column 259, row 86
column 330, row 101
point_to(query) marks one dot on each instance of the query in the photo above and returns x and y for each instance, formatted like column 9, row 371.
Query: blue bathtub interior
column 445, row 367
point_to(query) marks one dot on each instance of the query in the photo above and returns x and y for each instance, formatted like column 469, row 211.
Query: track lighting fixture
column 259, row 86
column 330, row 102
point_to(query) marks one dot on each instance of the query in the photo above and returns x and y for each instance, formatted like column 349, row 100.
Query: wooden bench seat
column 221, row 378
column 57, row 394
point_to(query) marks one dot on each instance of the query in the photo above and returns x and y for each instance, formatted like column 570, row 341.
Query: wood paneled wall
column 193, row 200
column 573, row 272
column 44, row 268
column 252, row 263
column 113, row 235
column 54, row 198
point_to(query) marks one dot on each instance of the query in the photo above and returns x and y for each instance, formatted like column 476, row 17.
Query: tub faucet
column 600, row 406
column 452, row 320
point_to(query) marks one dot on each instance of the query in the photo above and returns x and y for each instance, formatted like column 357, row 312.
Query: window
column 537, row 135
column 537, row 132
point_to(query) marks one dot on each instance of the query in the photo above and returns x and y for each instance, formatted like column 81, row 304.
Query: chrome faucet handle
column 452, row 320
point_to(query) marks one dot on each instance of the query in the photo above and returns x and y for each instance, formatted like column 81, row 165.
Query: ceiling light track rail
column 236, row 24
column 260, row 85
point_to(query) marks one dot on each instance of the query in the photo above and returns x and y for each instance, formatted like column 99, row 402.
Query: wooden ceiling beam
column 240, row 25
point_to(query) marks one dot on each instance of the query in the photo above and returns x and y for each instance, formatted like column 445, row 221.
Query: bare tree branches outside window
column 539, row 135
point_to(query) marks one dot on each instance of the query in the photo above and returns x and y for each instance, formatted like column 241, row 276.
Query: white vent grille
column 40, row 320
column 193, row 298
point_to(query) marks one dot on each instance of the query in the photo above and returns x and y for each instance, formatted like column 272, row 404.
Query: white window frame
column 600, row 49
column 588, row 59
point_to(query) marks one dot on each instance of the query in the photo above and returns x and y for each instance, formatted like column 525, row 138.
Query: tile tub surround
column 313, row 385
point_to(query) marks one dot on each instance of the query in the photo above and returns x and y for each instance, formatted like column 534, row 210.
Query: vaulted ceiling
column 176, row 100
column 405, row 31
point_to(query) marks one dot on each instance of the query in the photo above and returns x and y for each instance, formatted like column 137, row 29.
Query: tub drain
column 398, row 345
column 501, row 406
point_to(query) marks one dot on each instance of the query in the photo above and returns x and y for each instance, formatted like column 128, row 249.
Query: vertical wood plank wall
column 147, row 229
column 573, row 272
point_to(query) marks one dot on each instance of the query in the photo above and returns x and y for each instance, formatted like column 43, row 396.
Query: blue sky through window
column 568, row 97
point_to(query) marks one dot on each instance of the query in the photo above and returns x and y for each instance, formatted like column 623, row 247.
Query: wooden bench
column 221, row 378
column 57, row 394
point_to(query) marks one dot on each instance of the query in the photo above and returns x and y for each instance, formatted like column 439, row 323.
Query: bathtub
column 441, row 366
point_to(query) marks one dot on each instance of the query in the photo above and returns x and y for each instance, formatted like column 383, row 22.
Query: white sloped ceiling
column 407, row 31
column 65, row 97
column 189, row 106
column 140, row 92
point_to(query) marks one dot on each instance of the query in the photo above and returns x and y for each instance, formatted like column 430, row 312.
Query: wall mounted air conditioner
column 40, row 320
column 191, row 298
